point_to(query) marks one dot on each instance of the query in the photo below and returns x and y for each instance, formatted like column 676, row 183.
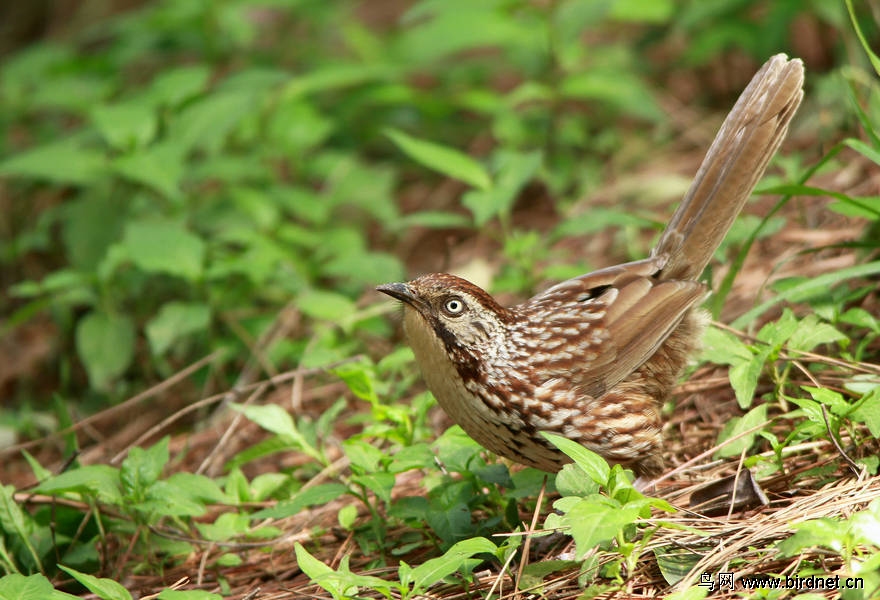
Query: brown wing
column 600, row 327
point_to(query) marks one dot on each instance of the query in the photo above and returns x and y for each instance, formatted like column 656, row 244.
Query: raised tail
column 736, row 160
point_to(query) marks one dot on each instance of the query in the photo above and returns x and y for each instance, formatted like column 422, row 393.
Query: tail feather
column 736, row 160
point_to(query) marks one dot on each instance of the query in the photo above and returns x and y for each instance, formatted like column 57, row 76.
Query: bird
column 595, row 357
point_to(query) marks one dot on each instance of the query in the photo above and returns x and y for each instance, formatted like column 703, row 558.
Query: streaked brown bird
column 594, row 358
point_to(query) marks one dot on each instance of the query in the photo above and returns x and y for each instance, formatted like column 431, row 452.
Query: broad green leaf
column 270, row 417
column 318, row 571
column 832, row 399
column 435, row 569
column 642, row 11
column 692, row 593
column 865, row 525
column 91, row 225
column 513, row 171
column 325, row 305
column 593, row 465
column 101, row 481
column 65, row 162
column 596, row 519
column 378, row 483
column 360, row 379
column 176, row 85
column 142, row 467
column 347, row 516
column 778, row 331
column 165, row 247
column 738, row 425
column 174, row 321
column 205, row 123
column 442, row 159
column 815, row 533
column 613, row 87
column 275, row 419
column 363, row 456
column 16, row 526
column 570, row 481
column 202, row 487
column 723, row 348
column 187, row 595
column 313, row 496
column 105, row 344
column 811, row 332
column 332, row 77
column 159, row 167
column 868, row 412
column 126, row 125
column 167, row 499
column 104, row 588
column 744, row 376
column 34, row 587
column 675, row 563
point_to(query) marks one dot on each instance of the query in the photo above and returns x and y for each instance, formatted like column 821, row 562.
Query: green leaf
column 177, row 85
column 34, row 587
column 105, row 344
column 106, row 589
column 514, row 171
column 188, row 595
column 318, row 572
column 380, row 484
column 613, row 87
column 724, row 348
column 778, row 331
column 270, row 417
column 312, row 496
column 867, row 411
column 141, row 468
column 166, row 499
column 64, row 162
column 692, row 593
column 17, row 527
column 165, row 247
column 328, row 306
column 174, row 321
column 126, row 125
column 595, row 520
column 100, row 481
column 205, row 123
column 811, row 332
column 159, row 167
column 275, row 419
column 822, row 532
column 360, row 379
column 738, row 425
column 435, row 569
column 347, row 516
column 593, row 465
column 202, row 487
column 744, row 376
column 675, row 563
column 442, row 159
column 642, row 11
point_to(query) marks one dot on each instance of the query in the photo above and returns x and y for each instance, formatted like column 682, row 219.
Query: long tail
column 748, row 138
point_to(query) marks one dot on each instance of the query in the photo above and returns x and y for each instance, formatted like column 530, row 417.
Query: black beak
column 399, row 291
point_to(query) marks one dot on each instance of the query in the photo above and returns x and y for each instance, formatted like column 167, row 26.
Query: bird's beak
column 400, row 291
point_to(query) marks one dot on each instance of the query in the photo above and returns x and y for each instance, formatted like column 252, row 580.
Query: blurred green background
column 175, row 174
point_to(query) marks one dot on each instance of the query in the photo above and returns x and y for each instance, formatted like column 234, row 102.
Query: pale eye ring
column 453, row 306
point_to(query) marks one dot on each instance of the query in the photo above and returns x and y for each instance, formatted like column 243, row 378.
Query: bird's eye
column 453, row 306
